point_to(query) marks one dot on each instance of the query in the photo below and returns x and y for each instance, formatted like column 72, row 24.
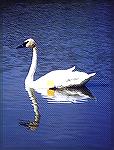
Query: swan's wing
column 71, row 78
column 77, row 79
column 62, row 78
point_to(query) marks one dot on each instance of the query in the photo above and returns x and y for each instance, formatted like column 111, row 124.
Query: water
column 68, row 34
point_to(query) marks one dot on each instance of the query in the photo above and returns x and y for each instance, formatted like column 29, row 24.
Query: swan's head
column 30, row 43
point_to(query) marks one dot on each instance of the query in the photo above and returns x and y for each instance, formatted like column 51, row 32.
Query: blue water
column 68, row 33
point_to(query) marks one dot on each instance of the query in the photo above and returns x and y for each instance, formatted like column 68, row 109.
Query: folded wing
column 63, row 78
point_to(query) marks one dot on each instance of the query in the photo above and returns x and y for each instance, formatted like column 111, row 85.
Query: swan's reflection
column 67, row 95
column 32, row 124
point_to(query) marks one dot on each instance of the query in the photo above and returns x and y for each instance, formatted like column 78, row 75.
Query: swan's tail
column 88, row 78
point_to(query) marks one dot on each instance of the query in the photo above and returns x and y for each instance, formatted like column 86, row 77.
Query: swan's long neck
column 30, row 76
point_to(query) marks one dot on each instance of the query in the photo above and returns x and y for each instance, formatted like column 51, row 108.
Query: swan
column 54, row 79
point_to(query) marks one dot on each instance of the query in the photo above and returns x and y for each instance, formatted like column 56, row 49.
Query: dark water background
column 68, row 33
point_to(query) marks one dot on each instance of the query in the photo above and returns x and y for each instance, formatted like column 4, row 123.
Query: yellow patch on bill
column 50, row 83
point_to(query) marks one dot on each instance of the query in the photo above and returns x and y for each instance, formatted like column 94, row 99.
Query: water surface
column 68, row 34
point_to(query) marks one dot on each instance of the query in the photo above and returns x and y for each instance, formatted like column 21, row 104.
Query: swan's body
column 62, row 78
column 53, row 79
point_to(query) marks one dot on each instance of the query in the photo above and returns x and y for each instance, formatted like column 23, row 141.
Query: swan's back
column 62, row 78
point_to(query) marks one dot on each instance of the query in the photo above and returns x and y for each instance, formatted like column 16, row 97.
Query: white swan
column 53, row 79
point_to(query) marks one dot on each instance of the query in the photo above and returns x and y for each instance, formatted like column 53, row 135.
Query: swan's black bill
column 23, row 45
column 20, row 46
